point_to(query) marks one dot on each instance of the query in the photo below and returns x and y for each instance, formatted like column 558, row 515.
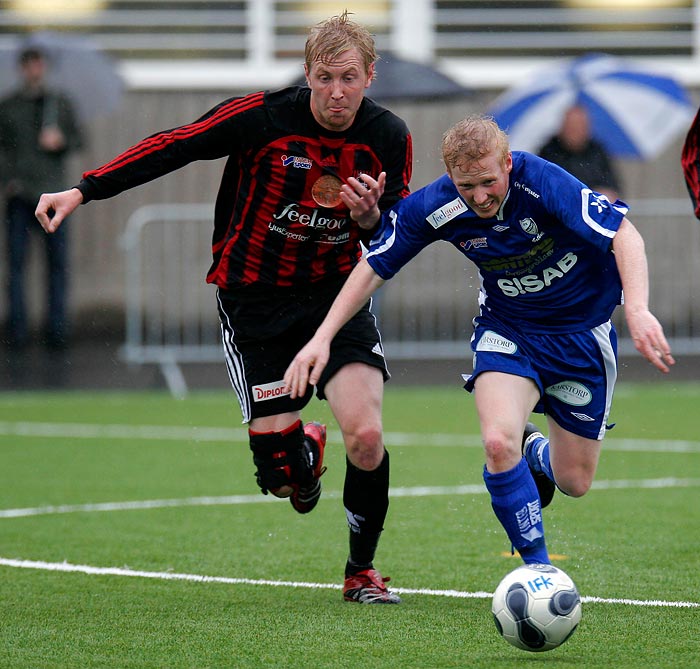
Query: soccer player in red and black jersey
column 309, row 170
column 690, row 162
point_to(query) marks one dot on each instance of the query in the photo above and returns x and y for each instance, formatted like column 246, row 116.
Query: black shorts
column 264, row 328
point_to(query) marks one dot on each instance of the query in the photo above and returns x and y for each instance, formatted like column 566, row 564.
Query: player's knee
column 502, row 450
column 365, row 446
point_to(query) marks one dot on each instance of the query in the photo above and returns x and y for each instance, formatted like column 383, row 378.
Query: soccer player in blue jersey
column 554, row 259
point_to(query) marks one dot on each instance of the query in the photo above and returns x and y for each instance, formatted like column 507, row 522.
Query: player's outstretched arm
column 53, row 208
column 308, row 364
column 645, row 330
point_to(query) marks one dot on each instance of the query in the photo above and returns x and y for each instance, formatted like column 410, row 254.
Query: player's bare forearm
column 645, row 330
column 308, row 364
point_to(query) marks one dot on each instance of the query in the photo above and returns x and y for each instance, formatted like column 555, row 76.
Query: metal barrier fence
column 424, row 312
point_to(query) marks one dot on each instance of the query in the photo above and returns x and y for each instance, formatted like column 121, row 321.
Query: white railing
column 478, row 43
column 170, row 310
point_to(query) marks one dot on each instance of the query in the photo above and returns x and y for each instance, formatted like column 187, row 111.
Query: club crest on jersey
column 297, row 161
column 530, row 228
column 326, row 191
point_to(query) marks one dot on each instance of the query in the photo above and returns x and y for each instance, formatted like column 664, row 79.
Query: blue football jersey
column 545, row 260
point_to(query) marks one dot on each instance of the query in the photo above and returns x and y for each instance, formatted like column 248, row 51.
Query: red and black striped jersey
column 690, row 161
column 278, row 218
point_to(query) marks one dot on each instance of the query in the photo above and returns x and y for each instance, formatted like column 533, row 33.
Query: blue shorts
column 575, row 372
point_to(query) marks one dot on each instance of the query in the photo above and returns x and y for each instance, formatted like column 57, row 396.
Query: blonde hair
column 472, row 138
column 333, row 37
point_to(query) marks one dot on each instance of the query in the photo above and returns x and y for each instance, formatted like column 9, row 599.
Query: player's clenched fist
column 53, row 208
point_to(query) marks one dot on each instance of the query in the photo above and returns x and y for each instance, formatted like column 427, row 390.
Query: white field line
column 67, row 567
column 210, row 434
column 234, row 500
column 222, row 434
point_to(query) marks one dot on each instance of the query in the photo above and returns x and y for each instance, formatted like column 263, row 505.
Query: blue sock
column 516, row 503
column 537, row 456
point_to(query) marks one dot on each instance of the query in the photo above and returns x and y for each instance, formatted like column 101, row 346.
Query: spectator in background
column 690, row 161
column 574, row 149
column 38, row 129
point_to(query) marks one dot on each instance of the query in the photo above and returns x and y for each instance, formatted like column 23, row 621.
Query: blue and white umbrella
column 634, row 113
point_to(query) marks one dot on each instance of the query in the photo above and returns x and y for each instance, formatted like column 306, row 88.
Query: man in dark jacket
column 574, row 149
column 38, row 129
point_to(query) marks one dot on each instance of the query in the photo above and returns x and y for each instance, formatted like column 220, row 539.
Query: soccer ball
column 536, row 607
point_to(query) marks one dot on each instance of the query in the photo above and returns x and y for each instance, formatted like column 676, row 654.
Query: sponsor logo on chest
column 446, row 213
column 534, row 283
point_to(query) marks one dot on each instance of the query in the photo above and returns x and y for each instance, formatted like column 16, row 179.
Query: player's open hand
column 648, row 337
column 53, row 208
column 306, row 368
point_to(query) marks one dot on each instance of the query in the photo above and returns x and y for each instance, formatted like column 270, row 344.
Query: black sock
column 362, row 550
column 366, row 500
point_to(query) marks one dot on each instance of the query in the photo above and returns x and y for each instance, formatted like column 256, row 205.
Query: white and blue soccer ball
column 536, row 607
